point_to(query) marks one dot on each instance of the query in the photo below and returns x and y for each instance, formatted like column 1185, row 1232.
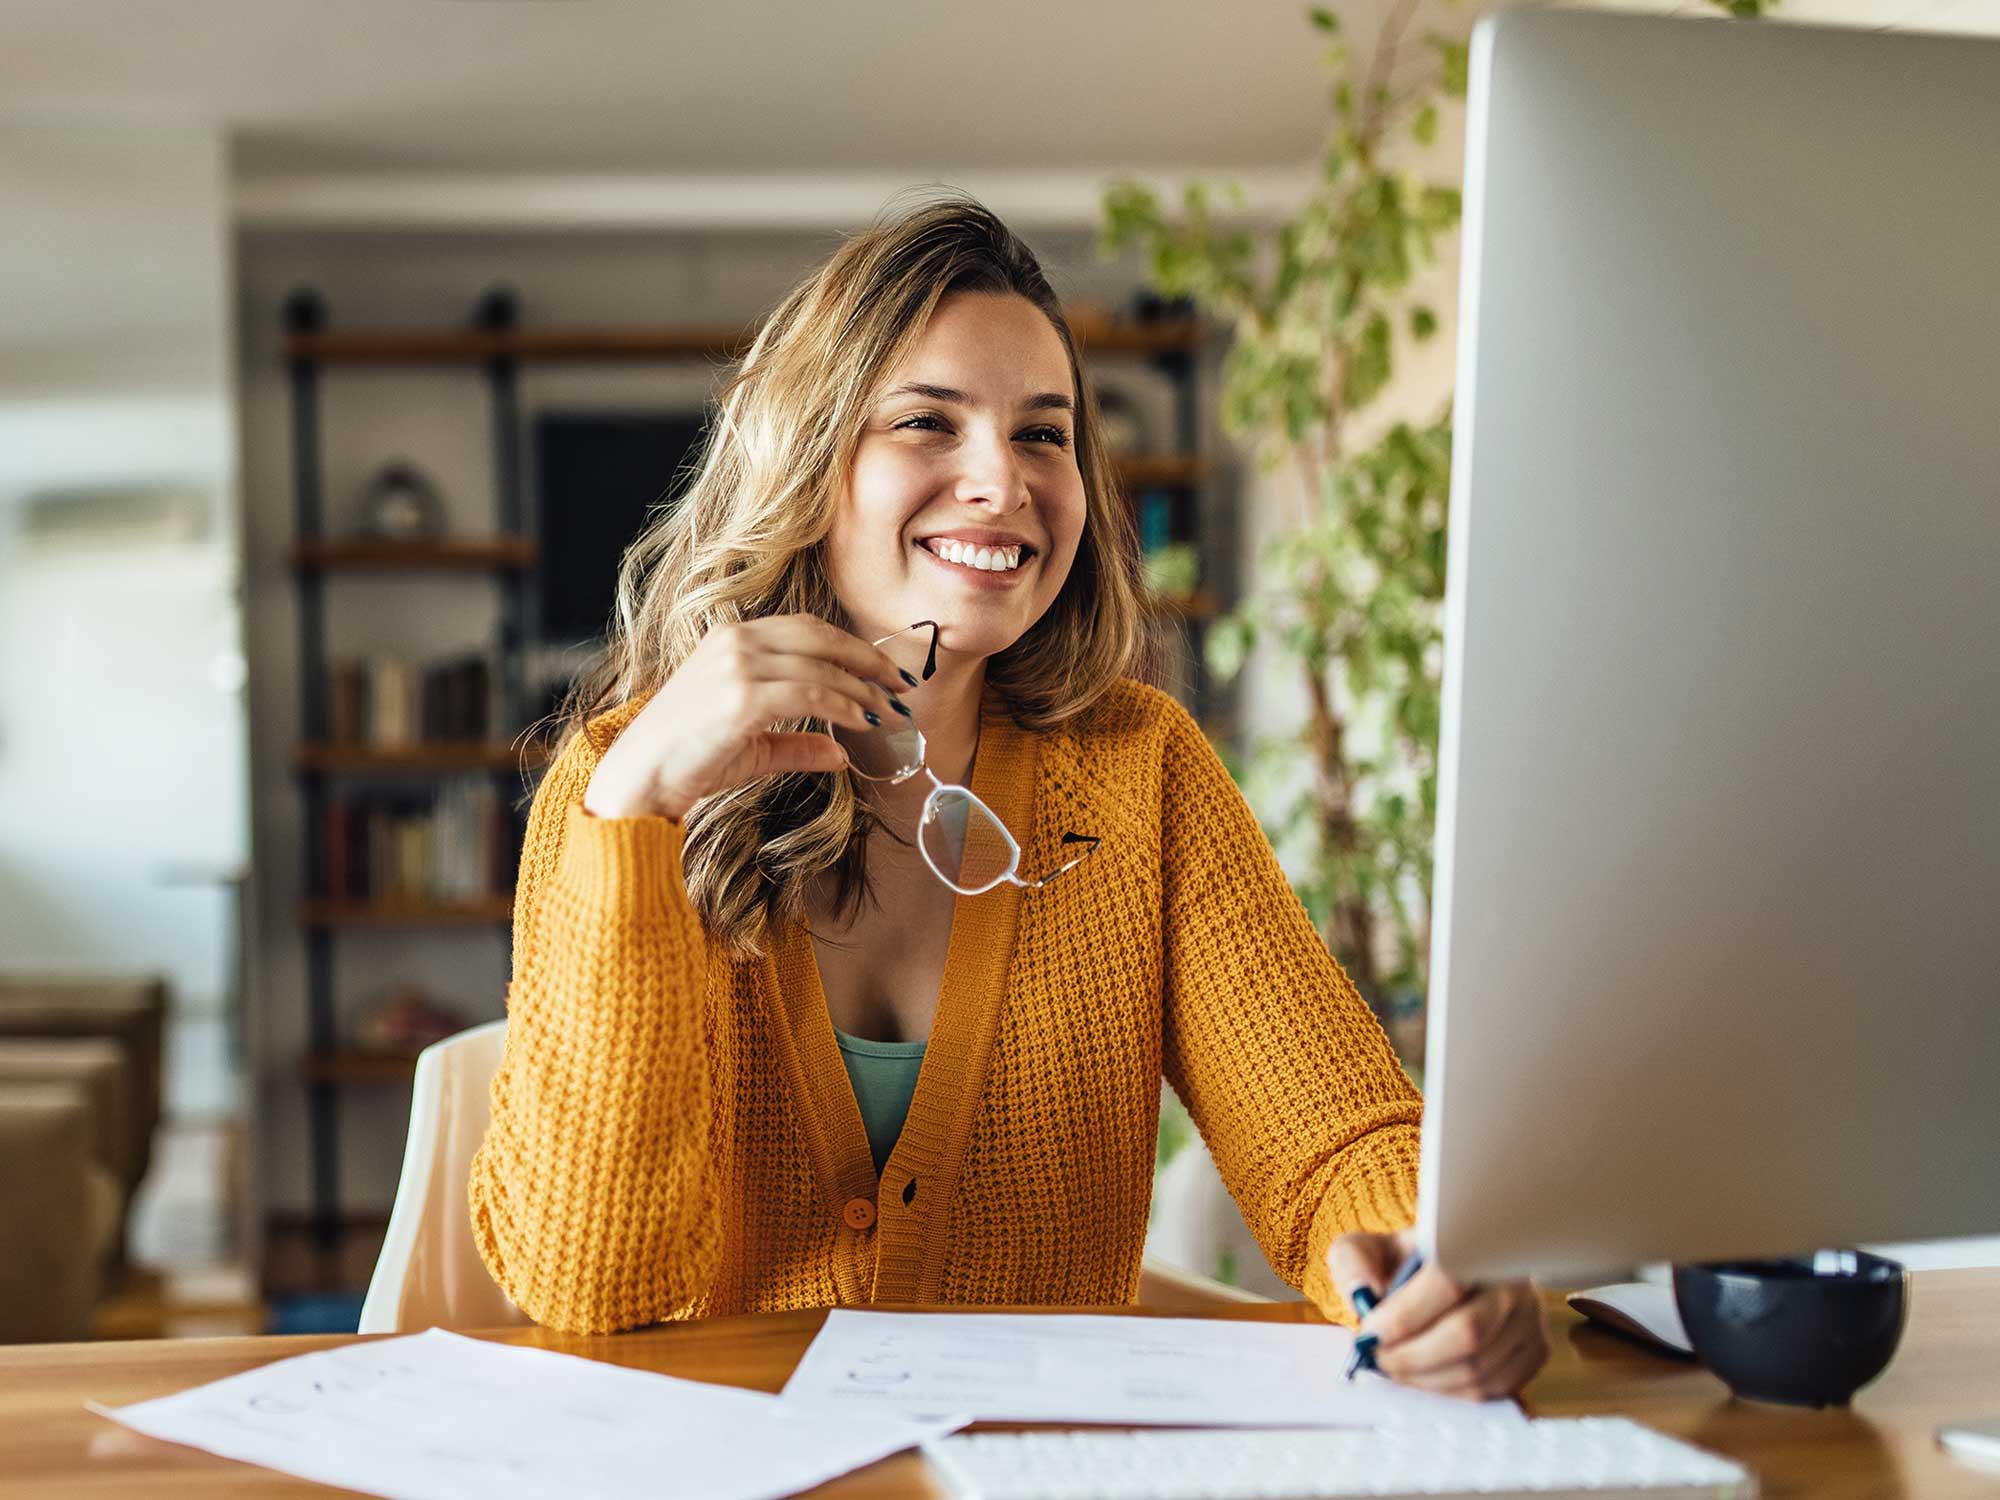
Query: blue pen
column 1365, row 1302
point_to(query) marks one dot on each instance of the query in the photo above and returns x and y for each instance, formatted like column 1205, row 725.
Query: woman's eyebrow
column 1046, row 401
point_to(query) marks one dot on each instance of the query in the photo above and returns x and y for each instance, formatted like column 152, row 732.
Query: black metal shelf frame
column 305, row 313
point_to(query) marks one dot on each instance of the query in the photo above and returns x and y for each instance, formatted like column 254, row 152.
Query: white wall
column 121, row 727
column 439, row 419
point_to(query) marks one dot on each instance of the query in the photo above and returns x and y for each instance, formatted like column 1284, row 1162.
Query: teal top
column 884, row 1075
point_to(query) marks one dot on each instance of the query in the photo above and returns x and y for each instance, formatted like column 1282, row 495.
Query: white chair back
column 429, row 1273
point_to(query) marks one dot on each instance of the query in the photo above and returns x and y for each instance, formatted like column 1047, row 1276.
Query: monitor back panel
column 1716, row 966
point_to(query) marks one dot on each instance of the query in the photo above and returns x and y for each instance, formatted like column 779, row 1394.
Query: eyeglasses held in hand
column 961, row 838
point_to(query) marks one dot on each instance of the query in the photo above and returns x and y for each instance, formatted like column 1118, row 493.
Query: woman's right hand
column 709, row 726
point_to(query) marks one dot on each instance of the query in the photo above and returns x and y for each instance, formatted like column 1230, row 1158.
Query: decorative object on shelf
column 403, row 1021
column 1120, row 420
column 401, row 504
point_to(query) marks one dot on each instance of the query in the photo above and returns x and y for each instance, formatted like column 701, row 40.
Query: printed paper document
column 1133, row 1371
column 435, row 1416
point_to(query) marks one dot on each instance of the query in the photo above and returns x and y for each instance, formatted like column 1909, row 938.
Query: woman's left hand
column 1476, row 1342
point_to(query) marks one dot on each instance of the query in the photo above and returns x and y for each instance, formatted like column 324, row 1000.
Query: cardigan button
column 859, row 1213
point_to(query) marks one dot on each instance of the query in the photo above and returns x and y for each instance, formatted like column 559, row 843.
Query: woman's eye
column 924, row 421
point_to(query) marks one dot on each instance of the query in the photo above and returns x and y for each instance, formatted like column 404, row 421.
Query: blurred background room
column 343, row 348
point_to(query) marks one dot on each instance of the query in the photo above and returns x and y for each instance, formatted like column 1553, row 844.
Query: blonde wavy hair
column 746, row 540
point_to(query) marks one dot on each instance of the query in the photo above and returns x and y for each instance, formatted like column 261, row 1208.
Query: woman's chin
column 978, row 638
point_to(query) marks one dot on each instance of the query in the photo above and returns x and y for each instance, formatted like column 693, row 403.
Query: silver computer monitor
column 1716, row 957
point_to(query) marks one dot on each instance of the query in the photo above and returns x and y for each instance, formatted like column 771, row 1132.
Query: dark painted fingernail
column 907, row 678
column 899, row 705
column 872, row 717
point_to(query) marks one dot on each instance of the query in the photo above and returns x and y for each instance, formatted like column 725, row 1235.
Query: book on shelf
column 457, row 843
column 389, row 702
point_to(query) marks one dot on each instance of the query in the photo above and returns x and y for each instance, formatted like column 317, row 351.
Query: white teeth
column 986, row 559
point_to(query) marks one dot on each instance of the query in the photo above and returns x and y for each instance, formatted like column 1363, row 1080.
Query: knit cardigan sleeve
column 590, row 1193
column 1283, row 1068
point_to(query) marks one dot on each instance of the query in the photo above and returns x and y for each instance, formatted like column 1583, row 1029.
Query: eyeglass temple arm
column 1090, row 839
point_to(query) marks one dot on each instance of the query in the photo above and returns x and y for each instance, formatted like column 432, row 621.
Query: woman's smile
column 980, row 558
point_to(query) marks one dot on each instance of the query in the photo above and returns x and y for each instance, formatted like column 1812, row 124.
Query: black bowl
column 1809, row 1332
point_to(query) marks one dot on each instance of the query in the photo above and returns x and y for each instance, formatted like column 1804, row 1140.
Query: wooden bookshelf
column 484, row 911
column 448, row 346
column 1128, row 336
column 449, row 555
column 357, row 1068
column 451, row 346
column 1162, row 471
column 418, row 760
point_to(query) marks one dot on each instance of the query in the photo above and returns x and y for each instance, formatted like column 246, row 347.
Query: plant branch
column 1388, row 41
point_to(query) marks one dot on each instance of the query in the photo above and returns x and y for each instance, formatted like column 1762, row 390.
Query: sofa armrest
column 129, row 1010
column 55, row 1233
column 96, row 1065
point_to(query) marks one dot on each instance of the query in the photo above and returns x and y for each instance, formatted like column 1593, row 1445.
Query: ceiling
column 673, row 86
column 746, row 86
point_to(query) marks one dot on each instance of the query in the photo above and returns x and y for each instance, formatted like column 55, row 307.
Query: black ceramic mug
column 1809, row 1331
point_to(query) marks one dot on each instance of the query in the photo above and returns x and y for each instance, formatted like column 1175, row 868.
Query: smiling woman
column 801, row 1015
column 922, row 388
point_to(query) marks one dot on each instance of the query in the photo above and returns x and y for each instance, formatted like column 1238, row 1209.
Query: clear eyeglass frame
column 960, row 837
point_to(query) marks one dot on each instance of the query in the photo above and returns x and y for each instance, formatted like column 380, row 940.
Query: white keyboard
column 1598, row 1457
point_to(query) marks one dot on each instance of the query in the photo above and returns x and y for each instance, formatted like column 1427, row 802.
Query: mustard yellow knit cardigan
column 674, row 1134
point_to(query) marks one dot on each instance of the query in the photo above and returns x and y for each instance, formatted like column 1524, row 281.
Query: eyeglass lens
column 895, row 751
column 964, row 842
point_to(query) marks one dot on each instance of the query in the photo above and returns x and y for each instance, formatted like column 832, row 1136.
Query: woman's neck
column 947, row 710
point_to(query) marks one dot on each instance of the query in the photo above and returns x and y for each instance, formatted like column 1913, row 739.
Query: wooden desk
column 1947, row 1369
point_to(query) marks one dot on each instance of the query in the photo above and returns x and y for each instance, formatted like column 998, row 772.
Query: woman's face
column 969, row 456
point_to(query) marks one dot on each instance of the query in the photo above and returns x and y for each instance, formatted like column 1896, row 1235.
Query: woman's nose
column 993, row 477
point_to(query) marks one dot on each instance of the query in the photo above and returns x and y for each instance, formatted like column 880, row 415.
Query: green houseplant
column 1353, row 583
column 1351, row 588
